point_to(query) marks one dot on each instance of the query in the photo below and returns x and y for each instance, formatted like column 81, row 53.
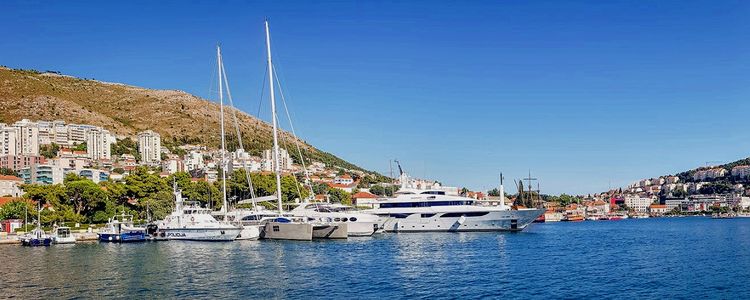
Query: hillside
column 179, row 117
column 687, row 176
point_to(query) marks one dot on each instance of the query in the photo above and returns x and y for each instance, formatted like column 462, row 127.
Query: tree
column 8, row 171
column 493, row 192
column 86, row 197
column 158, row 205
column 16, row 209
column 340, row 196
column 378, row 190
column 321, row 188
column 49, row 151
column 80, row 147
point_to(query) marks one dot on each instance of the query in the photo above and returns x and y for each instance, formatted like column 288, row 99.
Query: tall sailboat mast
column 223, row 140
column 277, row 165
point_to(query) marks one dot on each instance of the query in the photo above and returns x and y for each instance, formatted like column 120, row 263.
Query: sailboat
column 282, row 227
column 37, row 237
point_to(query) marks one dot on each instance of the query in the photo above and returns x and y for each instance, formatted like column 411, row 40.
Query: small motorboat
column 35, row 238
column 62, row 235
column 120, row 229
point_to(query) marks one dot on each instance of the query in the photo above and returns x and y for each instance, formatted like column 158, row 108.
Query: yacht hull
column 250, row 232
column 35, row 242
column 362, row 228
column 201, row 234
column 331, row 231
column 64, row 240
column 125, row 237
column 288, row 231
column 509, row 220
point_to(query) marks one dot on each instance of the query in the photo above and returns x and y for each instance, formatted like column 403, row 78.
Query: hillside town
column 44, row 152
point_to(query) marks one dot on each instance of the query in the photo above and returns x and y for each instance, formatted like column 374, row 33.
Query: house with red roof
column 345, row 187
column 10, row 186
column 364, row 199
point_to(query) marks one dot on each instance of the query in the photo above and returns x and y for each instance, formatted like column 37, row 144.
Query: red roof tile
column 9, row 177
column 363, row 195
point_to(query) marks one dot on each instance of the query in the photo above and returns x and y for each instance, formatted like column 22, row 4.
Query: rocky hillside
column 180, row 118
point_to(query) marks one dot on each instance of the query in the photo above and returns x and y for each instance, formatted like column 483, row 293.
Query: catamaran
column 358, row 223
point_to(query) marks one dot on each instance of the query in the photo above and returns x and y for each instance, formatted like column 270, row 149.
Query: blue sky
column 586, row 94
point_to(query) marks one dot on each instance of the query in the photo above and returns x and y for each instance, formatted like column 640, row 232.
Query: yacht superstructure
column 358, row 223
column 435, row 211
column 189, row 221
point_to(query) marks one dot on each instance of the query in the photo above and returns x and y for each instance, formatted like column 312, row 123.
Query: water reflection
column 622, row 258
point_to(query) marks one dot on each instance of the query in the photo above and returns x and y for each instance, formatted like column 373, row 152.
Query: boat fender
column 461, row 220
column 192, row 219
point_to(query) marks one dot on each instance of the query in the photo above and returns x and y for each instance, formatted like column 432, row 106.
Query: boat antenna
column 277, row 166
column 502, row 192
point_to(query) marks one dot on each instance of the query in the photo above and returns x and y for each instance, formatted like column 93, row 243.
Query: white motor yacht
column 420, row 210
column 189, row 221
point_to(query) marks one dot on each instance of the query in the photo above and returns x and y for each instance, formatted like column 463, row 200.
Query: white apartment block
column 710, row 173
column 637, row 203
column 149, row 146
column 284, row 159
column 99, row 143
column 22, row 138
column 194, row 160
column 741, row 171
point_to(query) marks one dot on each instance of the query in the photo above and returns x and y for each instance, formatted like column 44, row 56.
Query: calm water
column 653, row 258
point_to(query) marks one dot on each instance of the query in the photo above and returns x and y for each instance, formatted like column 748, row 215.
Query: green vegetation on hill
column 179, row 118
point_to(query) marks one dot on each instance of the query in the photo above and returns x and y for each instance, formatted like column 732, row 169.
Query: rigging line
column 262, row 90
column 296, row 183
column 294, row 134
column 233, row 109
column 210, row 89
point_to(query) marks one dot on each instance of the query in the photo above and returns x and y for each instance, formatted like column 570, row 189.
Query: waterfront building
column 657, row 209
column 149, row 146
column 671, row 204
column 638, row 203
column 10, row 186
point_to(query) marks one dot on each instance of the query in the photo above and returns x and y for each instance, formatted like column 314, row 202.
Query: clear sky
column 586, row 94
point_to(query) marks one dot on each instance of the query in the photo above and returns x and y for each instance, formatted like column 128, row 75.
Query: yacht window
column 353, row 219
column 399, row 216
column 427, row 215
column 344, row 219
column 433, row 193
column 466, row 214
column 337, row 219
